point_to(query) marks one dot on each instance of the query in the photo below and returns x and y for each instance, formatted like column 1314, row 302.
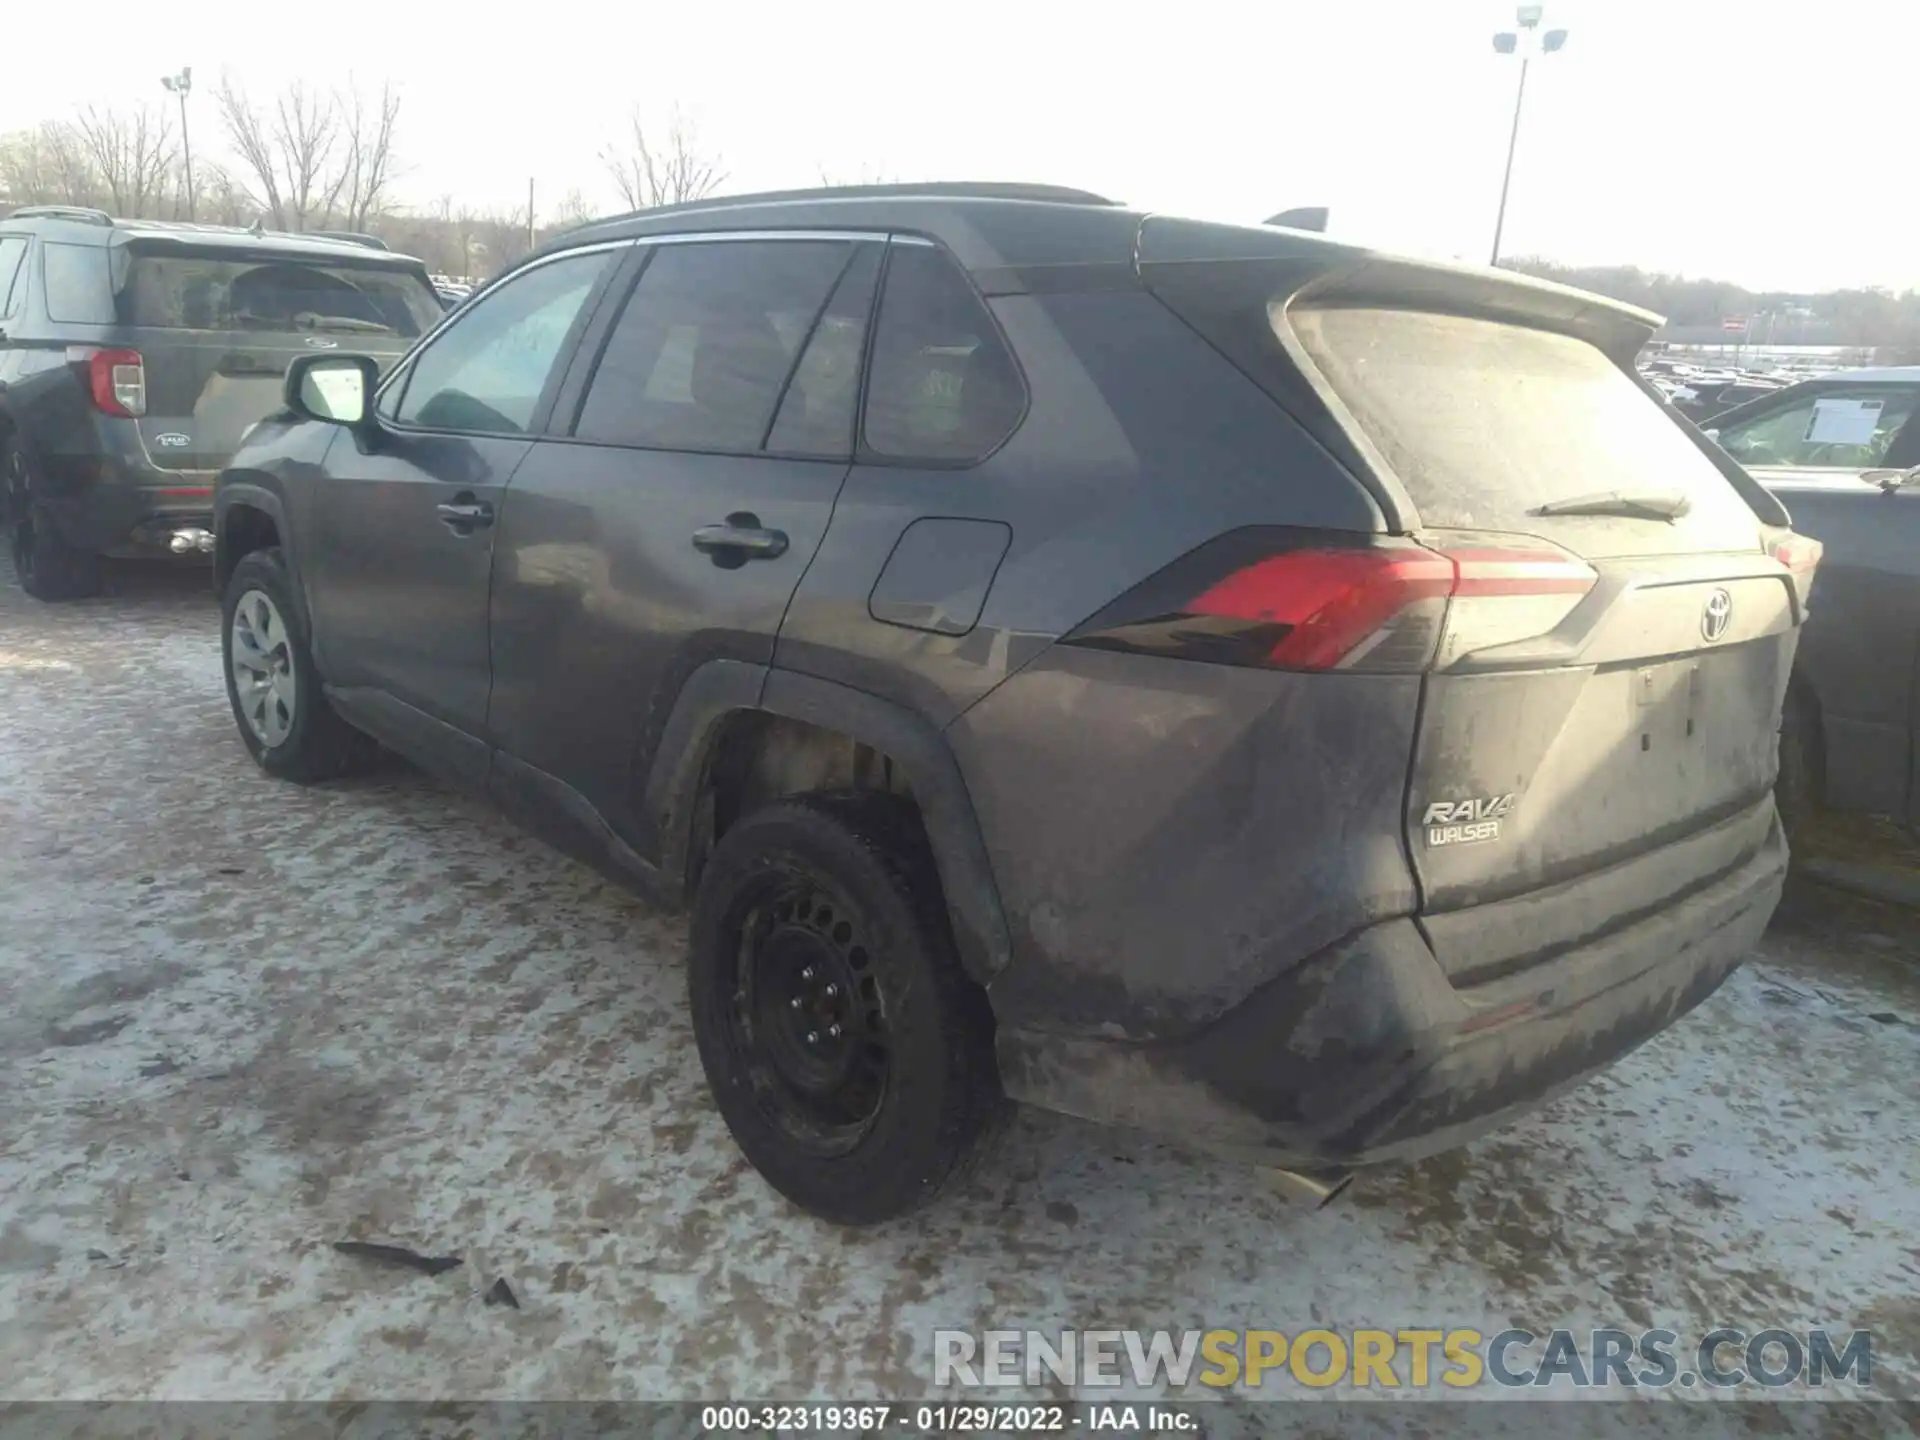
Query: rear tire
column 283, row 715
column 48, row 567
column 850, row 1056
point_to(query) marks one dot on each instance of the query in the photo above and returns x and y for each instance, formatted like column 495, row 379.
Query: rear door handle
column 463, row 514
column 739, row 539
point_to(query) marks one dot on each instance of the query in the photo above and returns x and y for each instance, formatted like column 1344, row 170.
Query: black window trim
column 863, row 454
column 16, row 290
column 402, row 374
column 646, row 244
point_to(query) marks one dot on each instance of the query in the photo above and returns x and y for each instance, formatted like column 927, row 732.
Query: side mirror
column 335, row 388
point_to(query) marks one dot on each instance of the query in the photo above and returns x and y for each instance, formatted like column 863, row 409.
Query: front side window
column 943, row 387
column 1846, row 427
column 78, row 289
column 702, row 352
column 488, row 369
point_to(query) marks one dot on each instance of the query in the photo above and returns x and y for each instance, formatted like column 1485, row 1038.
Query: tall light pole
column 1527, row 41
column 182, row 85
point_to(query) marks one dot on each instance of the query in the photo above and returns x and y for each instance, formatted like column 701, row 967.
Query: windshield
column 192, row 292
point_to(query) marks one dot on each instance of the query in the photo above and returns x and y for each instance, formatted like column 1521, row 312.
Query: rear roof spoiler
column 1307, row 217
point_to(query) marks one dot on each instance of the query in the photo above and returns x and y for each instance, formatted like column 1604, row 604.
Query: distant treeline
column 1841, row 317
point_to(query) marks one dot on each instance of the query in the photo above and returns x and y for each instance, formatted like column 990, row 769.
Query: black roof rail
column 84, row 213
column 927, row 190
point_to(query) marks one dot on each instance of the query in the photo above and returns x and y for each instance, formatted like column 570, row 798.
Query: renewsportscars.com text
column 1724, row 1358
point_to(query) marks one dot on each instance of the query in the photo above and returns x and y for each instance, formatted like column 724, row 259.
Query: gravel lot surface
column 240, row 1021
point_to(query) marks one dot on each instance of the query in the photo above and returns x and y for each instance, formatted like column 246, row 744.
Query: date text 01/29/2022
column 947, row 1419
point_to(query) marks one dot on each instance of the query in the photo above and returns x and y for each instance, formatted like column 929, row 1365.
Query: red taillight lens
column 1799, row 553
column 1383, row 605
column 1326, row 604
column 118, row 381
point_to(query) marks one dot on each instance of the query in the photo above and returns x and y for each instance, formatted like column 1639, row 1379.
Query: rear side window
column 943, row 386
column 78, row 290
column 13, row 252
column 1849, row 427
column 195, row 292
column 1482, row 421
column 701, row 354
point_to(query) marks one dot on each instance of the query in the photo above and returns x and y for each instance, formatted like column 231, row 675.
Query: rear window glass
column 191, row 292
column 78, row 290
column 1482, row 422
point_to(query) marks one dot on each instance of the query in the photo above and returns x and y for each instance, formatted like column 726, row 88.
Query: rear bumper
column 1368, row 1052
column 111, row 506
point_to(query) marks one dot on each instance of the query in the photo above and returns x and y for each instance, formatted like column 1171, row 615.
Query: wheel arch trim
column 724, row 688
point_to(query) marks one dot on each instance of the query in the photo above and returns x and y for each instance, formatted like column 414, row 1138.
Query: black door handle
column 464, row 514
column 739, row 539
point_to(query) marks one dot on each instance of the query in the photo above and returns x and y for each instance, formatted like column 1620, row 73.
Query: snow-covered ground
column 240, row 1021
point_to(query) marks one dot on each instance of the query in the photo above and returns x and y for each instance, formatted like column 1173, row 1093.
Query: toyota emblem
column 1717, row 615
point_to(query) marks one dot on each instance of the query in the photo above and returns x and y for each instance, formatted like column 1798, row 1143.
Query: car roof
column 80, row 225
column 987, row 226
column 1016, row 238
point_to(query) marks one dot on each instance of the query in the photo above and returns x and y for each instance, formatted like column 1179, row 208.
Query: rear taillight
column 118, row 380
column 1375, row 605
column 1799, row 553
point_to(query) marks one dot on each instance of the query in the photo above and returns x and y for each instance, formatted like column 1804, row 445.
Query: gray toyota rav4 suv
column 134, row 354
column 1302, row 702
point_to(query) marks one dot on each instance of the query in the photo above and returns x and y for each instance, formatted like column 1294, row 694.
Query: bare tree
column 358, row 191
column 132, row 153
column 286, row 152
column 49, row 165
column 865, row 175
column 666, row 170
column 571, row 211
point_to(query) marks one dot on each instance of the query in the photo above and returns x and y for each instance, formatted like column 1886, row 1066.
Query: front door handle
column 464, row 514
column 738, row 539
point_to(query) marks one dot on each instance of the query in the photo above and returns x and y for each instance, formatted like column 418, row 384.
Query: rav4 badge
column 1463, row 822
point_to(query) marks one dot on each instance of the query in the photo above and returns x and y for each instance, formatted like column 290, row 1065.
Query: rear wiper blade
column 1633, row 504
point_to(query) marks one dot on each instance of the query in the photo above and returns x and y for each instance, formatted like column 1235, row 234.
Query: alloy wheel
column 263, row 674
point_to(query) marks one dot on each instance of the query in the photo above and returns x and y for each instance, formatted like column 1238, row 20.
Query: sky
column 1770, row 145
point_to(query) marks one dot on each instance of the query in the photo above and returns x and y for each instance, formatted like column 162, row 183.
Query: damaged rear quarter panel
column 1169, row 836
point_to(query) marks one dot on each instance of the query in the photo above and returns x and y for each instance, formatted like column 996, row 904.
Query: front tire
column 283, row 715
column 48, row 567
column 850, row 1056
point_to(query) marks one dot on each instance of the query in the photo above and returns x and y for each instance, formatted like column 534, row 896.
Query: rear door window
column 703, row 351
column 78, row 289
column 1846, row 427
column 228, row 293
column 943, row 386
column 1482, row 422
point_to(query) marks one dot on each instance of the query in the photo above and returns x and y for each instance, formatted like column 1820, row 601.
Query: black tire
column 318, row 744
column 47, row 566
column 844, row 885
column 1796, row 791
